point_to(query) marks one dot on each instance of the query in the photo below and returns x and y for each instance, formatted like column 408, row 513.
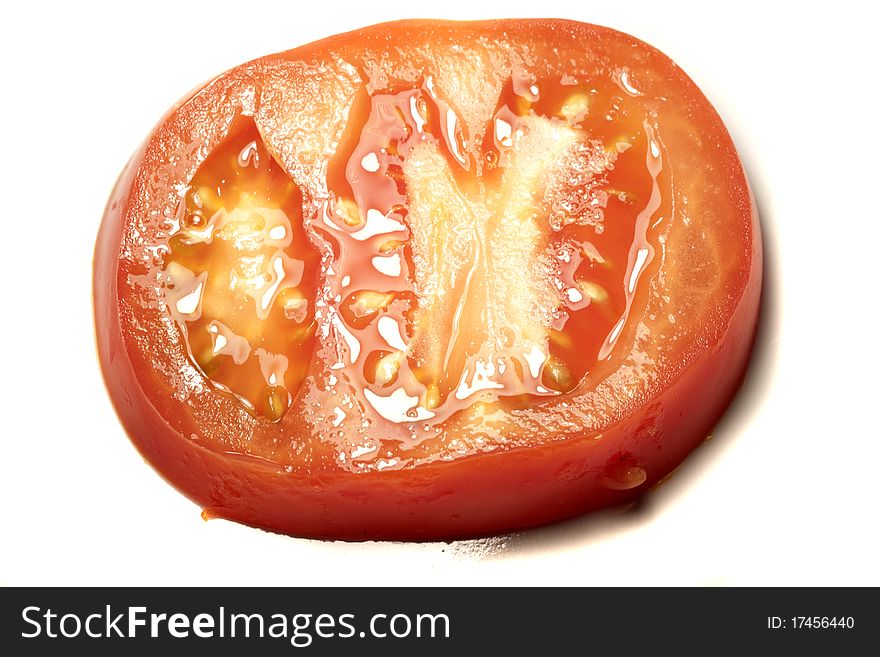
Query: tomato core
column 437, row 230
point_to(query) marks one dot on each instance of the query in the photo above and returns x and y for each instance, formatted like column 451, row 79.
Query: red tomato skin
column 477, row 495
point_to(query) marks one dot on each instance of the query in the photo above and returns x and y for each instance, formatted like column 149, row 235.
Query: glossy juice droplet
column 623, row 472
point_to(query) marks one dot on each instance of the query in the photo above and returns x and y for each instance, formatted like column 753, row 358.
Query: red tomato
column 429, row 279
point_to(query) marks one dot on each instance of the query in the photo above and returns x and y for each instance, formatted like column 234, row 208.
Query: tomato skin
column 476, row 495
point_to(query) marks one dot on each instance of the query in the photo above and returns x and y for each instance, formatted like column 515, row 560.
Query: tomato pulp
column 429, row 279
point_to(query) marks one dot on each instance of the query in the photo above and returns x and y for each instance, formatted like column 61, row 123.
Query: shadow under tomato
column 751, row 397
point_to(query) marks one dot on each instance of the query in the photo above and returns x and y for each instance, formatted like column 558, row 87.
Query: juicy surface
column 482, row 232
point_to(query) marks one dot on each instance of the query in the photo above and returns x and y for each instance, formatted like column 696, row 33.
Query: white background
column 786, row 493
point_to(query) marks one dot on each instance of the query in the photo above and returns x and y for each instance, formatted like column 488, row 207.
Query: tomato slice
column 429, row 279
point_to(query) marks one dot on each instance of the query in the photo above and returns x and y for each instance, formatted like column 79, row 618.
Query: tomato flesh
column 496, row 268
column 600, row 162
